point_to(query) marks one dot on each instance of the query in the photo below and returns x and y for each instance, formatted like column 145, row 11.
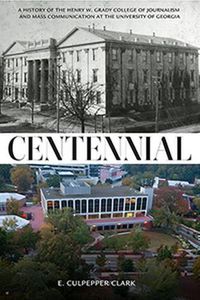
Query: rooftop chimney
column 131, row 31
column 89, row 27
column 154, row 34
column 93, row 26
column 104, row 28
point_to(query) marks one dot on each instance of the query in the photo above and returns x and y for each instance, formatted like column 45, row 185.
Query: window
column 145, row 74
column 109, row 204
column 70, row 204
column 171, row 93
column 127, row 204
column 115, row 205
column 16, row 77
column 138, row 203
column 25, row 61
column 56, row 204
column 114, row 54
column 192, row 58
column 170, row 57
column 63, row 57
column 159, row 75
column 98, row 95
column 94, row 54
column 130, row 76
column 103, row 205
column 94, row 77
column 77, row 206
column 115, row 76
column 25, row 77
column 78, row 54
column 64, row 76
column 64, row 203
column 144, row 203
column 181, row 58
column 146, row 93
column 181, row 75
column 192, row 75
column 193, row 92
column 121, row 204
column 144, row 56
column 8, row 77
column 90, row 205
column 96, row 205
column 78, row 75
column 8, row 63
column 130, row 55
column 83, row 202
column 170, row 76
column 132, row 204
column 158, row 56
column 16, row 62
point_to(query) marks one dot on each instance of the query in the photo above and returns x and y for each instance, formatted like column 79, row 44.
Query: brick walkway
column 38, row 216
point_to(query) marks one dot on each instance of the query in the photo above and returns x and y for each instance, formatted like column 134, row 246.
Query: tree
column 196, row 268
column 165, row 219
column 5, row 172
column 114, row 243
column 101, row 259
column 158, row 282
column 26, row 238
column 10, row 224
column 196, row 201
column 125, row 264
column 163, row 253
column 77, row 98
column 54, row 181
column 12, row 207
column 62, row 240
column 3, row 242
column 138, row 241
column 172, row 200
column 2, row 184
column 127, row 181
column 36, row 280
column 22, row 177
column 65, row 221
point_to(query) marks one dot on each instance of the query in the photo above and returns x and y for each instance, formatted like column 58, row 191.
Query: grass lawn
column 156, row 239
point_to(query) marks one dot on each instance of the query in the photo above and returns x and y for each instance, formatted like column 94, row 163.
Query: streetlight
column 58, row 96
column 156, row 81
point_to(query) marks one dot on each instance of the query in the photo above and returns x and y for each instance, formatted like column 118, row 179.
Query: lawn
column 156, row 239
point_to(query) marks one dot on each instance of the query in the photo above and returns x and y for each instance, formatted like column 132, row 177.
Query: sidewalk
column 43, row 121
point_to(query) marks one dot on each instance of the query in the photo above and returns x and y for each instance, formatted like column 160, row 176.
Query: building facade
column 97, row 204
column 128, row 71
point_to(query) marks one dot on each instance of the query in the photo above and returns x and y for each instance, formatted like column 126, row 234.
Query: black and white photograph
column 88, row 66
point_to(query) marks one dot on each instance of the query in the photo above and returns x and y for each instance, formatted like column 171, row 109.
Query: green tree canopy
column 22, row 176
column 53, row 180
column 13, row 207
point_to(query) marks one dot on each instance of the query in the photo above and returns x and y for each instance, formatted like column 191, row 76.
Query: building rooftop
column 20, row 222
column 140, row 38
column 7, row 196
column 96, row 191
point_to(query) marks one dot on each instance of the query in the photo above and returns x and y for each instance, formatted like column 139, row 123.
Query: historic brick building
column 132, row 71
